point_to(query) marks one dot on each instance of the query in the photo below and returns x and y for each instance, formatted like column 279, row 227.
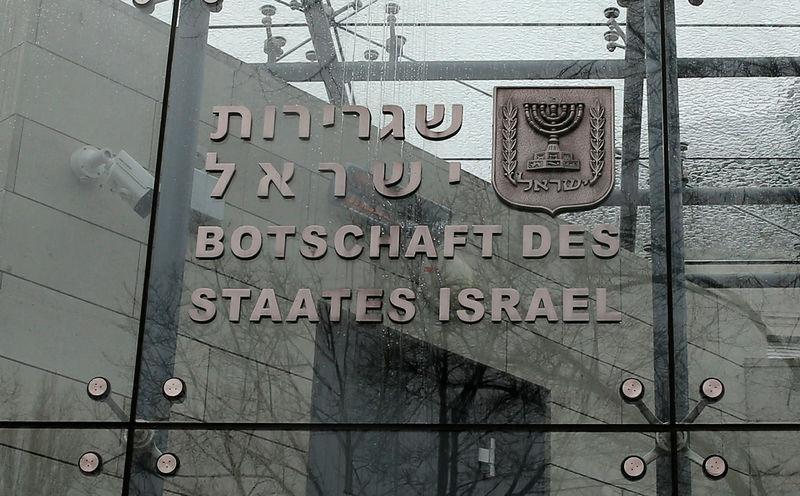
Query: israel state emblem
column 553, row 148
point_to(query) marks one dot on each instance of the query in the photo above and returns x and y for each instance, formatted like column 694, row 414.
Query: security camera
column 148, row 6
column 132, row 182
column 120, row 173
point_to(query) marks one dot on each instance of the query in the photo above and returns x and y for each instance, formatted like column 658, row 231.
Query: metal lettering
column 383, row 185
column 303, row 306
column 568, row 236
column 329, row 116
column 451, row 241
column 364, row 119
column 338, row 241
column 607, row 235
column 397, row 126
column 236, row 296
column 227, row 169
column 528, row 232
column 603, row 315
column 505, row 300
column 454, row 176
column 541, row 306
column 201, row 299
column 572, row 303
column 376, row 240
column 280, row 233
column 487, row 234
column 269, row 122
column 266, row 306
column 365, row 301
column 425, row 126
column 304, row 127
column 339, row 177
column 255, row 245
column 209, row 242
column 470, row 299
column 421, row 242
column 281, row 181
column 336, row 296
column 313, row 236
column 223, row 121
column 401, row 299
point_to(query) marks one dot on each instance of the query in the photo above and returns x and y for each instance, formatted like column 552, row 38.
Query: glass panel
column 740, row 220
column 79, row 123
column 276, row 350
column 759, row 463
column 263, row 336
column 46, row 462
column 400, row 463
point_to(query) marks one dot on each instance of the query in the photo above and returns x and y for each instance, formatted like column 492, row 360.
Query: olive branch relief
column 510, row 141
column 597, row 135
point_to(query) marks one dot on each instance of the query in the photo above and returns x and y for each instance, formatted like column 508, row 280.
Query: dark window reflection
column 372, row 374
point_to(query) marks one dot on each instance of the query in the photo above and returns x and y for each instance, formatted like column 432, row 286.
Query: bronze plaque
column 553, row 148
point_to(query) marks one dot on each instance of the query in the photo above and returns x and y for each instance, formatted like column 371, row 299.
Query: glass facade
column 269, row 250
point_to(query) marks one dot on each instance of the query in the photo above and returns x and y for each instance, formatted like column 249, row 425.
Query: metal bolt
column 634, row 467
column 610, row 36
column 631, row 390
column 90, row 463
column 712, row 389
column 715, row 467
column 311, row 56
column 174, row 389
column 392, row 8
column 167, row 464
column 611, row 13
column 371, row 55
column 268, row 10
column 214, row 6
column 98, row 388
column 696, row 2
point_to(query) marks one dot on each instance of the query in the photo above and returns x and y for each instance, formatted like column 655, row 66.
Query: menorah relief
column 557, row 159
column 553, row 120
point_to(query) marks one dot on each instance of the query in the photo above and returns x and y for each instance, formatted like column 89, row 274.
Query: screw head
column 268, row 10
column 311, row 56
column 214, row 6
column 611, row 13
column 167, row 464
column 715, row 467
column 634, row 468
column 631, row 390
column 610, row 36
column 696, row 2
column 174, row 389
column 98, row 388
column 712, row 389
column 371, row 55
column 90, row 463
column 624, row 3
column 392, row 8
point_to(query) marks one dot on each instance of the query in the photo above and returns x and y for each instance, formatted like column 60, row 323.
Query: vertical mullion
column 666, row 203
column 163, row 281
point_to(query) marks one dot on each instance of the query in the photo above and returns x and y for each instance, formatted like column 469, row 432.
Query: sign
column 553, row 148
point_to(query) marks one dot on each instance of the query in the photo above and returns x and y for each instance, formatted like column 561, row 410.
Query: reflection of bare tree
column 41, row 461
